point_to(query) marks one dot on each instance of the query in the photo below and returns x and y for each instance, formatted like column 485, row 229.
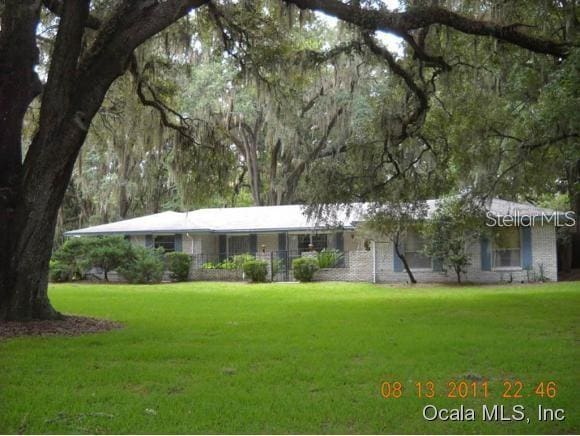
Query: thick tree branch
column 299, row 169
column 416, row 115
column 549, row 141
column 63, row 66
column 418, row 17
column 421, row 54
column 57, row 8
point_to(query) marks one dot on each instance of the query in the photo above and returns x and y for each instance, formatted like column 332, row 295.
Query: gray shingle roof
column 256, row 219
column 218, row 220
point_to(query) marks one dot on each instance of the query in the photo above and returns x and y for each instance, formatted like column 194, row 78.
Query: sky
column 392, row 42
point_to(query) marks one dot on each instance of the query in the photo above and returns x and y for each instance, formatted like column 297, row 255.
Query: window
column 319, row 242
column 414, row 246
column 507, row 249
column 238, row 245
column 303, row 243
column 165, row 242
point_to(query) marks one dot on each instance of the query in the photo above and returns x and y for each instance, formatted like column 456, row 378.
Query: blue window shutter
column 397, row 264
column 282, row 241
column 485, row 253
column 179, row 243
column 222, row 241
column 149, row 241
column 526, row 236
column 437, row 264
column 253, row 243
column 340, row 241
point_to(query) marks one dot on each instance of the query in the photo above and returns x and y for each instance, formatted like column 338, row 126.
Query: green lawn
column 290, row 358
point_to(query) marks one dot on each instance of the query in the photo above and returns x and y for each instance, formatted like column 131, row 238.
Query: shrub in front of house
column 178, row 265
column 58, row 272
column 304, row 268
column 256, row 270
column 240, row 259
column 226, row 264
column 108, row 253
column 329, row 258
column 145, row 266
column 70, row 261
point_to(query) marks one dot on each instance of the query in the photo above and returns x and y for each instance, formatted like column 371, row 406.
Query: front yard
column 292, row 358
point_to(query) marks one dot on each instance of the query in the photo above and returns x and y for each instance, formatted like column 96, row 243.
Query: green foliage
column 146, row 266
column 304, row 268
column 256, row 270
column 236, row 262
column 58, row 271
column 556, row 201
column 108, row 253
column 71, row 260
column 227, row 264
column 328, row 258
column 394, row 220
column 241, row 259
column 277, row 266
column 178, row 265
column 455, row 225
column 77, row 255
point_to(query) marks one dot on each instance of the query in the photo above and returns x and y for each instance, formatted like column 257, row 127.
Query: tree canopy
column 181, row 103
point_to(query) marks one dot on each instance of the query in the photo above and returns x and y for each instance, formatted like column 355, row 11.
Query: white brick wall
column 359, row 268
column 543, row 252
column 360, row 263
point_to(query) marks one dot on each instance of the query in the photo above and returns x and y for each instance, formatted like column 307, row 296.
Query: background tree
column 109, row 253
column 83, row 65
column 456, row 224
column 394, row 221
column 94, row 45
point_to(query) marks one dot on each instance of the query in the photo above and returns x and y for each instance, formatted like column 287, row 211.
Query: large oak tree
column 89, row 53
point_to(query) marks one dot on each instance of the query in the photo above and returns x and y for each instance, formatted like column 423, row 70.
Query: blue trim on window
column 527, row 257
column 485, row 253
column 397, row 263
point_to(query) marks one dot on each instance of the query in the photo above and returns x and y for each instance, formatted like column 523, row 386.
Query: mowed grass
column 291, row 358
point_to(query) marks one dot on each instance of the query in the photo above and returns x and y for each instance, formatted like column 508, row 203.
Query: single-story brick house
column 285, row 232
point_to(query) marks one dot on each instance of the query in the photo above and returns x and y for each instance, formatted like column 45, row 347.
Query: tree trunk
column 26, row 275
column 405, row 264
column 32, row 192
column 458, row 272
column 124, row 170
column 19, row 85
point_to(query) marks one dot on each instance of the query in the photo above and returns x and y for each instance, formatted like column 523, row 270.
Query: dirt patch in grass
column 68, row 326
